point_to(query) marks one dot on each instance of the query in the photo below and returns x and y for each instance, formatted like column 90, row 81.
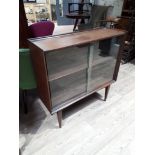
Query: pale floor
column 90, row 127
column 62, row 29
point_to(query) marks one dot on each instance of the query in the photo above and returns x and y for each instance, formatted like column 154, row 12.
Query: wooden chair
column 81, row 7
column 98, row 18
column 79, row 11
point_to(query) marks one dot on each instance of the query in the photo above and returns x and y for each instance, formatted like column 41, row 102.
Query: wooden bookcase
column 73, row 66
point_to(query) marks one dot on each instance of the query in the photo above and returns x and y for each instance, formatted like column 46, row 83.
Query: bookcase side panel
column 39, row 64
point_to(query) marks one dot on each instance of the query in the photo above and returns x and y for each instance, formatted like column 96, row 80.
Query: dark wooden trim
column 59, row 116
column 41, row 73
column 66, row 72
column 49, row 44
column 119, row 56
column 106, row 92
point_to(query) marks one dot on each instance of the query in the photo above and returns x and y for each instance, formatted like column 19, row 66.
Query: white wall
column 116, row 10
column 53, row 2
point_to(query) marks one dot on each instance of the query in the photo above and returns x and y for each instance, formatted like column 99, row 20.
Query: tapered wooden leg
column 59, row 116
column 76, row 22
column 24, row 95
column 106, row 92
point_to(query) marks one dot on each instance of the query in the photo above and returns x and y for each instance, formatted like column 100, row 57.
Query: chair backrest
column 26, row 74
column 40, row 29
column 98, row 13
column 79, row 7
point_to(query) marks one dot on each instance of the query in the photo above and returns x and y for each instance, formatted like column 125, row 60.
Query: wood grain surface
column 74, row 39
column 41, row 74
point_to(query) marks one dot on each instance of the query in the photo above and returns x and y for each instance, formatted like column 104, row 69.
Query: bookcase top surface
column 73, row 39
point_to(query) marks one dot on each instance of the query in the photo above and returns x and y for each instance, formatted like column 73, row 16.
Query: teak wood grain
column 74, row 39
column 41, row 73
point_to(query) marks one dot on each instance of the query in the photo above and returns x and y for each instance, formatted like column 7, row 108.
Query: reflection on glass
column 66, row 61
column 68, row 87
column 97, row 15
column 104, row 61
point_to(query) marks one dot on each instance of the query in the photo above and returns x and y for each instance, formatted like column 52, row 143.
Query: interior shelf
column 102, row 73
column 100, row 57
column 79, row 68
column 68, row 87
column 105, row 50
column 67, row 61
column 67, row 72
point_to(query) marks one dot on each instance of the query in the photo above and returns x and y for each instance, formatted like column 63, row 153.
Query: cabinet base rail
column 59, row 113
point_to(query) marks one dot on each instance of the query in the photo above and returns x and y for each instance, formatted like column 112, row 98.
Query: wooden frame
column 42, row 46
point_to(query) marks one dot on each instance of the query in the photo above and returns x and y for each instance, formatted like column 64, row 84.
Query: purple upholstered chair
column 40, row 29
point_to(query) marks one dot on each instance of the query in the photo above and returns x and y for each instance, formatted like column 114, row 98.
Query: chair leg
column 106, row 92
column 59, row 116
column 76, row 22
column 24, row 95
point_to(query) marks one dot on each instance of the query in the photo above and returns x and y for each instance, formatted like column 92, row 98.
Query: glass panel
column 104, row 60
column 97, row 14
column 66, row 61
column 68, row 87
